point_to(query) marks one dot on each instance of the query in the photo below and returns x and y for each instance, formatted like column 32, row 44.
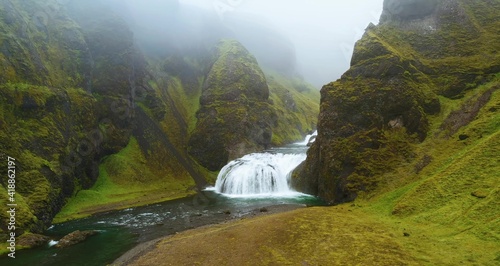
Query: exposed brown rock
column 32, row 240
column 75, row 238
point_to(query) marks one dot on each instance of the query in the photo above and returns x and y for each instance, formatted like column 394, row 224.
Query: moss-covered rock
column 296, row 104
column 373, row 119
column 69, row 94
column 74, row 238
column 235, row 117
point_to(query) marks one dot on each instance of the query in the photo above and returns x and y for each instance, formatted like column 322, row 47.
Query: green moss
column 235, row 117
column 35, row 58
column 35, row 132
column 125, row 179
column 296, row 104
column 444, row 193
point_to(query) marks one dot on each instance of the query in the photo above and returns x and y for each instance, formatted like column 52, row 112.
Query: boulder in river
column 75, row 238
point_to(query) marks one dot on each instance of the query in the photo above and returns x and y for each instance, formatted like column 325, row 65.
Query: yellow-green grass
column 341, row 235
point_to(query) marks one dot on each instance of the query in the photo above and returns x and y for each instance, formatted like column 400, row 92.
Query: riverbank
column 341, row 235
column 122, row 201
column 143, row 248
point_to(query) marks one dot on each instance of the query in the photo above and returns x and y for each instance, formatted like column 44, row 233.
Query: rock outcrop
column 372, row 118
column 75, row 238
column 235, row 117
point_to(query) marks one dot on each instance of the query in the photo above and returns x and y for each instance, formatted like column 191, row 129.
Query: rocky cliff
column 423, row 59
column 235, row 116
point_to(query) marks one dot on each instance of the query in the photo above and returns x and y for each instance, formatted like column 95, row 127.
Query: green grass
column 293, row 124
column 439, row 203
column 122, row 184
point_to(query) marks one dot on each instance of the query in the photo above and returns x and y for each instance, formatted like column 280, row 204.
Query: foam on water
column 259, row 174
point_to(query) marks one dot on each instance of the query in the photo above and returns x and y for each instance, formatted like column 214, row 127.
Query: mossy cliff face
column 37, row 39
column 296, row 104
column 235, row 117
column 73, row 91
column 374, row 118
column 41, row 128
column 94, row 125
column 50, row 127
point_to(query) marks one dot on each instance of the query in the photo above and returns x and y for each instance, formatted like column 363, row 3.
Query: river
column 119, row 231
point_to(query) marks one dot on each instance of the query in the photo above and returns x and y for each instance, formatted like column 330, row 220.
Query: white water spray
column 308, row 139
column 53, row 243
column 260, row 174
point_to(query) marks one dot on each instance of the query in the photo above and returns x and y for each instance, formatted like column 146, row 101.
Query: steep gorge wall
column 372, row 118
column 53, row 130
column 72, row 82
column 243, row 111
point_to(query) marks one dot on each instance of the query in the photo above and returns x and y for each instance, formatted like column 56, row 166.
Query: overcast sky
column 322, row 31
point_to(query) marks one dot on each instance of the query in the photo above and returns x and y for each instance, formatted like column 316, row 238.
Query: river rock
column 75, row 238
column 32, row 240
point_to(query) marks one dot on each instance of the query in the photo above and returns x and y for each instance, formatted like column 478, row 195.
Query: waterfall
column 258, row 173
column 261, row 173
column 308, row 138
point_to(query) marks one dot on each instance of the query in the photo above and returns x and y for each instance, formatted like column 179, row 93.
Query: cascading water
column 261, row 173
column 308, row 138
column 258, row 173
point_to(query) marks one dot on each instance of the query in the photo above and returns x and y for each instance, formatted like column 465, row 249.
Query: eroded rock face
column 371, row 118
column 235, row 117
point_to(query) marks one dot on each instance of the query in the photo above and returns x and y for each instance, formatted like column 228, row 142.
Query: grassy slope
column 121, row 185
column 303, row 118
column 429, row 218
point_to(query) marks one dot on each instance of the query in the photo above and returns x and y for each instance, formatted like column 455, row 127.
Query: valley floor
column 341, row 235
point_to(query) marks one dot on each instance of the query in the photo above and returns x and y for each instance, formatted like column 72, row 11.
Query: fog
column 310, row 38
